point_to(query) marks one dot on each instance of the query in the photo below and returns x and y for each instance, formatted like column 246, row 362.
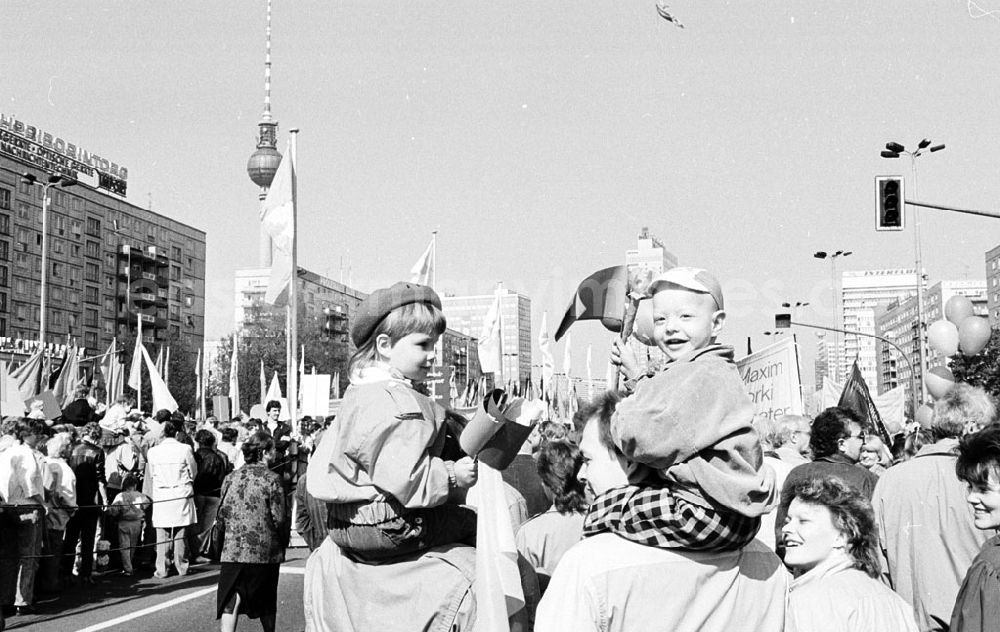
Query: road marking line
column 150, row 610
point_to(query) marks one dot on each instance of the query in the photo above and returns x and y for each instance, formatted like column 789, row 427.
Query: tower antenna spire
column 267, row 68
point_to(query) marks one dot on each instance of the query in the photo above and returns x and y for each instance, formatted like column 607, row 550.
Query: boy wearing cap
column 381, row 470
column 698, row 480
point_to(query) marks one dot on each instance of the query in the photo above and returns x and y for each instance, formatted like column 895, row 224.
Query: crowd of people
column 665, row 504
column 115, row 490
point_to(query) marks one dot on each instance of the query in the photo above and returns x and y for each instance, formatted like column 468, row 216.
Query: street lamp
column 837, row 318
column 895, row 150
column 63, row 181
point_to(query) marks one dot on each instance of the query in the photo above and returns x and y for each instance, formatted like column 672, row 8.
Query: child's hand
column 623, row 357
column 466, row 472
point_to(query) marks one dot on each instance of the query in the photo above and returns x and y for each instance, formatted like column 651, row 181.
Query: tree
column 982, row 369
column 263, row 338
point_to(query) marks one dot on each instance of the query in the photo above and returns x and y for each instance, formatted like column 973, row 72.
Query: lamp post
column 63, row 181
column 832, row 256
column 895, row 150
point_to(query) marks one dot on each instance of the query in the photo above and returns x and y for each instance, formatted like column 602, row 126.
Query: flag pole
column 138, row 341
column 292, row 319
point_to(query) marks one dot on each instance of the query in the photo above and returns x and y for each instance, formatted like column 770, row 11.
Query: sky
column 538, row 138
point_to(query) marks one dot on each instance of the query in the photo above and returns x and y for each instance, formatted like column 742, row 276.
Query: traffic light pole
column 787, row 321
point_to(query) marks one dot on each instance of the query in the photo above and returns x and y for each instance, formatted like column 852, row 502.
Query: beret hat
column 379, row 303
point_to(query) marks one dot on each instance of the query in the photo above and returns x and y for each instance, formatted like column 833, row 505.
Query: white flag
column 162, row 399
column 567, row 357
column 422, row 270
column 234, row 377
column 548, row 364
column 135, row 371
column 490, row 358
column 278, row 217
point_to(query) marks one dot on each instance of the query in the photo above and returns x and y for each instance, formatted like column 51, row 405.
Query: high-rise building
column 993, row 285
column 897, row 322
column 821, row 365
column 109, row 262
column 649, row 254
column 862, row 291
column 467, row 313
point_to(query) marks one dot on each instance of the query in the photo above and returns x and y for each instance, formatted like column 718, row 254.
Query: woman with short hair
column 830, row 546
column 977, row 608
column 252, row 513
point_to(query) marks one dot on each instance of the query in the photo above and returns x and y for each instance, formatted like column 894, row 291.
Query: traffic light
column 889, row 195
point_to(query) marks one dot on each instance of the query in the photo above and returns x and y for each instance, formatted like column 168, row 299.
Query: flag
column 69, row 378
column 135, row 371
column 590, row 375
column 162, row 399
column 601, row 296
column 857, row 398
column 263, row 384
column 234, row 377
column 27, row 376
column 336, row 384
column 548, row 364
column 490, row 351
column 274, row 390
column 277, row 215
column 159, row 361
column 114, row 374
column 302, row 373
column 199, row 388
column 166, row 367
column 568, row 357
column 422, row 271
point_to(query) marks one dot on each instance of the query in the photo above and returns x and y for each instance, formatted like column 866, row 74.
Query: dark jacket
column 79, row 413
column 253, row 511
column 212, row 469
column 87, row 463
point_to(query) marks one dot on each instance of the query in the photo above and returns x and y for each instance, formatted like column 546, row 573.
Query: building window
column 74, row 249
column 3, row 276
column 58, row 294
column 90, row 340
column 92, row 295
column 5, row 224
column 24, row 212
column 75, row 227
column 109, row 282
column 4, row 250
column 93, row 271
column 94, row 249
column 58, row 246
column 4, row 199
column 74, row 278
column 109, row 326
column 109, row 304
column 57, row 317
column 3, row 301
column 74, row 320
column 175, row 253
column 57, row 269
column 93, row 226
column 59, row 224
column 90, row 317
column 175, row 273
column 110, row 260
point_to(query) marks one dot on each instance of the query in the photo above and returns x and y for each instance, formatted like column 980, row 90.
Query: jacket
column 170, row 472
column 253, row 514
column 692, row 422
column 87, row 462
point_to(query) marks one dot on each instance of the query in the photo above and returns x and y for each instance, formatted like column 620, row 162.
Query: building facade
column 897, row 322
column 862, row 291
column 993, row 285
column 467, row 313
column 110, row 263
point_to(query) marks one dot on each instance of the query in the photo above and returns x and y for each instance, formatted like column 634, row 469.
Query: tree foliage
column 263, row 338
column 982, row 369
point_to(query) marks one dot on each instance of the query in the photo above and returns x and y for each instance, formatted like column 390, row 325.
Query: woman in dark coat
column 252, row 512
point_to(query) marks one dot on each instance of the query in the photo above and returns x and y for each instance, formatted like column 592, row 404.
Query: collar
column 379, row 373
column 948, row 447
column 837, row 562
column 713, row 350
column 835, row 458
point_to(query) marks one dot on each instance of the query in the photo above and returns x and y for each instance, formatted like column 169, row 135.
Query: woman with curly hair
column 830, row 538
column 977, row 608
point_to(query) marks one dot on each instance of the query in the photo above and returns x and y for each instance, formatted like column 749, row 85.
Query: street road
column 118, row 604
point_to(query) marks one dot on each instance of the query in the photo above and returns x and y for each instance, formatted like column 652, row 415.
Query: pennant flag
column 11, row 402
column 601, row 296
column 159, row 361
column 53, row 374
column 274, row 390
column 234, row 377
column 135, row 371
column 263, row 384
column 277, row 214
column 113, row 373
column 422, row 271
column 28, row 375
column 548, row 364
column 490, row 351
column 162, row 399
column 69, row 378
column 857, row 398
column 166, row 367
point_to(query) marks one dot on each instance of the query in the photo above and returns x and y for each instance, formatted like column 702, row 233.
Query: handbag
column 217, row 536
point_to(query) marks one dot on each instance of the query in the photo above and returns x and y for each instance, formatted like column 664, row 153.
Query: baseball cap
column 694, row 279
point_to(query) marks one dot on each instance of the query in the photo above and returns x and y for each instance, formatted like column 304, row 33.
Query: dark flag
column 601, row 296
column 857, row 398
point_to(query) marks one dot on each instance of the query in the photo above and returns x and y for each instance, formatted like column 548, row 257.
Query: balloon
column 643, row 327
column 924, row 416
column 942, row 336
column 939, row 381
column 974, row 334
column 957, row 309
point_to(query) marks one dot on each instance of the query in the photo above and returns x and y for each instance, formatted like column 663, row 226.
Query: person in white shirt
column 606, row 583
column 169, row 482
column 23, row 491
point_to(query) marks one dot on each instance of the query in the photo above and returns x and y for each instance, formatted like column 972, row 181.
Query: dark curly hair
column 829, row 427
column 978, row 456
column 558, row 464
column 852, row 515
column 603, row 407
column 256, row 446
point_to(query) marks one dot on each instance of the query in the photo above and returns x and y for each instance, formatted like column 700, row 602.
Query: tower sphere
column 262, row 166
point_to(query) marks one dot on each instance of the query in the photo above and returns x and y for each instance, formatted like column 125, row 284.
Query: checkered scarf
column 654, row 516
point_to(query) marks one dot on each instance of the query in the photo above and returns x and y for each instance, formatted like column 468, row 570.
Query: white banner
column 772, row 379
column 315, row 395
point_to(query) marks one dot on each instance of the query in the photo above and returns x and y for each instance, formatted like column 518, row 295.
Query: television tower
column 263, row 163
